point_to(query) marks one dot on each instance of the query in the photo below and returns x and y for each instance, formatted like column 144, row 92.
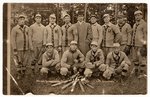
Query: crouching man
column 118, row 63
column 50, row 61
column 94, row 60
column 72, row 60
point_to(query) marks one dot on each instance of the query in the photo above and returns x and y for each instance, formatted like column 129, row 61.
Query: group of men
column 81, row 47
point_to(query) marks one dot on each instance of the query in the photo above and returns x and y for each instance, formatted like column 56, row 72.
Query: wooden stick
column 81, row 86
column 67, row 85
column 74, row 84
column 59, row 83
column 90, row 86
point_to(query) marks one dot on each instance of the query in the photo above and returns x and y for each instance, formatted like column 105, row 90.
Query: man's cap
column 81, row 13
column 94, row 43
column 49, row 44
column 73, row 42
column 66, row 15
column 38, row 15
column 105, row 15
column 21, row 16
column 116, row 45
column 52, row 16
column 138, row 12
column 93, row 15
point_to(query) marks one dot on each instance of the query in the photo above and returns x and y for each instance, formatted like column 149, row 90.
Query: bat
column 74, row 84
column 81, row 86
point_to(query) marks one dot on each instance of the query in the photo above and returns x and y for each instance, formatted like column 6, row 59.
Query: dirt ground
column 132, row 85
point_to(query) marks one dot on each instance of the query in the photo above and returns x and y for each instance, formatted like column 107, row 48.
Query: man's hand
column 59, row 48
column 75, row 69
column 76, row 61
column 15, row 52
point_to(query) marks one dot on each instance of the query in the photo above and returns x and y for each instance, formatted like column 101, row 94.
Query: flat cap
column 49, row 44
column 116, row 45
column 105, row 15
column 138, row 12
column 21, row 16
column 52, row 16
column 73, row 42
column 94, row 43
column 93, row 15
column 38, row 15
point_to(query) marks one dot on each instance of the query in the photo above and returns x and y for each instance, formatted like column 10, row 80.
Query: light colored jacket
column 97, row 57
column 114, row 61
column 47, row 60
column 126, row 32
column 97, row 33
column 20, row 38
column 69, row 57
column 111, row 34
column 53, row 35
column 69, row 33
column 36, row 35
column 139, row 33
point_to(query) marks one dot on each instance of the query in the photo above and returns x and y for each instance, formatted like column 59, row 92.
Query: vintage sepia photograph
column 75, row 48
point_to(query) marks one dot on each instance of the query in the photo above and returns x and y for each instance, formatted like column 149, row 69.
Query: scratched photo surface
column 74, row 48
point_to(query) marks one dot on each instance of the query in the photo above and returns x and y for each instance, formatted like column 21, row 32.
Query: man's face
column 138, row 17
column 121, row 20
column 116, row 50
column 49, row 50
column 67, row 19
column 52, row 20
column 21, row 21
column 107, row 19
column 80, row 18
column 93, row 20
column 73, row 47
column 94, row 48
column 38, row 20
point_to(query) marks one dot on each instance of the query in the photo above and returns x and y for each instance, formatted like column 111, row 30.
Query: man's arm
column 46, row 63
column 13, row 39
column 100, row 35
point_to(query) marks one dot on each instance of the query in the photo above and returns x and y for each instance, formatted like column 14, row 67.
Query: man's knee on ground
column 103, row 67
column 88, row 72
column 63, row 71
column 44, row 70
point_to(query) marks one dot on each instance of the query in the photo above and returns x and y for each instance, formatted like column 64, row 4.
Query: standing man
column 84, row 34
column 52, row 33
column 111, row 34
column 72, row 60
column 96, row 30
column 19, row 39
column 139, row 37
column 36, row 37
column 125, row 31
column 94, row 60
column 69, row 33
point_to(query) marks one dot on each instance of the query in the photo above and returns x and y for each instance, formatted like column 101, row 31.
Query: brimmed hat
column 73, row 42
column 94, row 43
column 38, row 15
column 138, row 12
column 21, row 16
column 49, row 44
column 105, row 15
column 52, row 16
column 116, row 45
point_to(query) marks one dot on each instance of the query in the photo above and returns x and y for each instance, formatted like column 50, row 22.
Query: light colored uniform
column 36, row 37
column 126, row 32
column 111, row 34
column 97, row 33
column 69, row 33
column 50, row 62
column 96, row 59
column 68, row 61
column 20, row 42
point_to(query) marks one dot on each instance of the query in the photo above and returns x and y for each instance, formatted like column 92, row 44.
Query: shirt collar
column 116, row 55
column 53, row 24
column 38, row 24
column 80, row 22
column 94, row 24
column 109, row 24
column 68, row 24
